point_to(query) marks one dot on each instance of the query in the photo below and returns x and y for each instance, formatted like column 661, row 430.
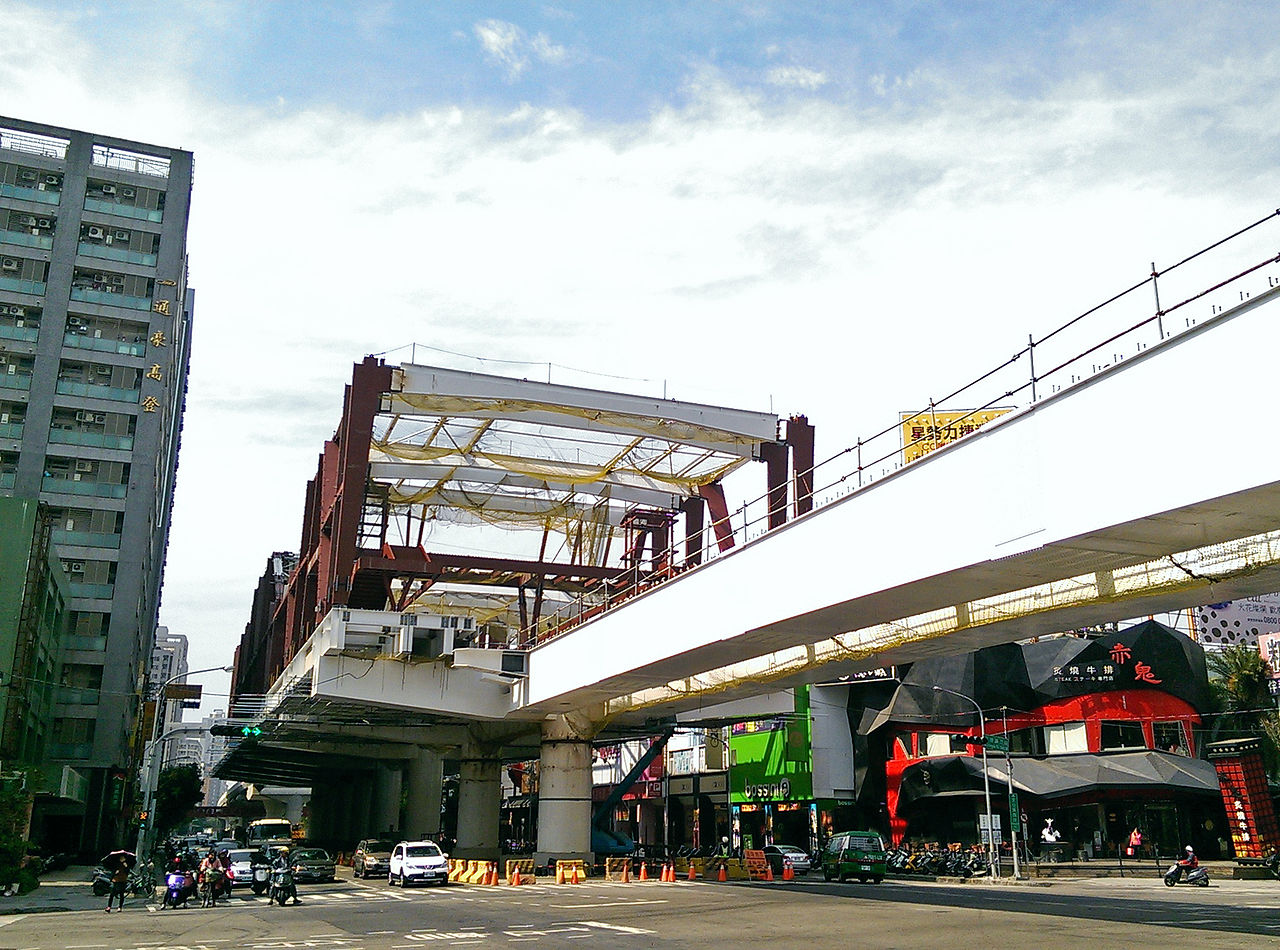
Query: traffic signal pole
column 993, row 856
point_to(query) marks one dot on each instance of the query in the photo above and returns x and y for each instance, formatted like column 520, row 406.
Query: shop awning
column 1060, row 776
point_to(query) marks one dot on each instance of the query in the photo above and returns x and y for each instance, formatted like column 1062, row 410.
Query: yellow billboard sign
column 922, row 432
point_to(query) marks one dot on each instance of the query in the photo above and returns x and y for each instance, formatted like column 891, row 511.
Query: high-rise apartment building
column 168, row 665
column 95, row 318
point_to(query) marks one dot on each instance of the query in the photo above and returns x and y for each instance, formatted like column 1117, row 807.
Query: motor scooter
column 282, row 887
column 261, row 879
column 1179, row 872
column 101, row 881
column 177, row 890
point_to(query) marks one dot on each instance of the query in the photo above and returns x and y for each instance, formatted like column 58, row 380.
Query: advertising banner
column 922, row 432
column 1238, row 621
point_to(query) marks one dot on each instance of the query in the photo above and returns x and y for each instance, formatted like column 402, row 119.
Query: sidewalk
column 69, row 889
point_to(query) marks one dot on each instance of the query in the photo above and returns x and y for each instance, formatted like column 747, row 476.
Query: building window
column 1122, row 734
column 75, row 731
column 1170, row 737
column 1065, row 737
column 1026, row 741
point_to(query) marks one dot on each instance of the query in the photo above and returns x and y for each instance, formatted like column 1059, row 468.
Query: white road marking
column 12, row 920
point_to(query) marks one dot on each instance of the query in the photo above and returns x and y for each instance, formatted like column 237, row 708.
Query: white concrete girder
column 1064, row 488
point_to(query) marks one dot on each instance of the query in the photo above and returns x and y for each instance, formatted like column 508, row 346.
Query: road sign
column 998, row 743
column 1013, row 804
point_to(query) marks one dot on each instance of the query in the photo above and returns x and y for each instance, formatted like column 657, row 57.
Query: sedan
column 312, row 864
column 779, row 855
column 242, row 865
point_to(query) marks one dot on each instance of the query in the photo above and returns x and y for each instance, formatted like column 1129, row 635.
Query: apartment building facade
column 95, row 318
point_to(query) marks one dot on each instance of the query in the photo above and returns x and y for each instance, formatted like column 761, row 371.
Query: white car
column 413, row 861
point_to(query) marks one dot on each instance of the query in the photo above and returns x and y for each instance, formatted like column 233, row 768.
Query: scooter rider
column 1189, row 860
column 284, row 861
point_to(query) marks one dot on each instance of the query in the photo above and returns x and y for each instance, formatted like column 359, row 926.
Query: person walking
column 119, row 884
column 1135, row 841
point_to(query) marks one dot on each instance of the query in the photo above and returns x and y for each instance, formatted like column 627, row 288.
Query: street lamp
column 150, row 776
column 992, row 856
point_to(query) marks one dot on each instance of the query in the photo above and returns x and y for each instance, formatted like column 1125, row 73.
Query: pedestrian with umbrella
column 118, row 864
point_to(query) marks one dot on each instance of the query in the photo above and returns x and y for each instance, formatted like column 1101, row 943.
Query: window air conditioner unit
column 99, row 278
column 95, row 232
column 8, row 264
column 29, row 219
column 4, row 418
column 83, row 416
column 120, row 235
column 75, row 567
column 75, row 321
column 103, row 370
column 127, row 192
column 20, row 323
column 108, row 189
column 99, row 417
column 82, row 465
column 27, row 176
column 117, row 279
column 52, row 180
column 45, row 222
column 4, row 360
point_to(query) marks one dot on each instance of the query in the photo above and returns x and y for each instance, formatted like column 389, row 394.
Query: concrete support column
column 479, row 803
column 385, row 810
column 564, row 791
column 361, row 802
column 343, row 829
column 422, row 799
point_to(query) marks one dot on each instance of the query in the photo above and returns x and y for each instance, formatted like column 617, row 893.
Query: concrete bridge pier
column 384, row 812
column 564, row 789
column 479, row 802
column 422, row 801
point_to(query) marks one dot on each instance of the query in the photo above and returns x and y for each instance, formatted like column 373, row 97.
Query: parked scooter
column 282, row 886
column 101, row 881
column 1179, row 872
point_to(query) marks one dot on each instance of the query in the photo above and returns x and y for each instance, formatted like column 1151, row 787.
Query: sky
column 836, row 209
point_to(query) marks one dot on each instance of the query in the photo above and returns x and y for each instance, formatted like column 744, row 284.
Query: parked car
column 312, row 864
column 413, row 861
column 857, row 854
column 372, row 857
column 780, row 855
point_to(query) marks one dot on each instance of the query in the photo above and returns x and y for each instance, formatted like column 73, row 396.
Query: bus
column 269, row 832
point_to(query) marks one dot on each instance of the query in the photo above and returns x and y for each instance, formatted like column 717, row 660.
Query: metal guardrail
column 1120, row 327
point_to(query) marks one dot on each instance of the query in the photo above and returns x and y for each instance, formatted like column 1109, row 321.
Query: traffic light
column 242, row 732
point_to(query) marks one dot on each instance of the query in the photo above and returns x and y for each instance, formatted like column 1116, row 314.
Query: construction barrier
column 570, row 872
column 725, row 869
column 521, row 871
column 456, row 867
column 757, row 865
column 617, row 869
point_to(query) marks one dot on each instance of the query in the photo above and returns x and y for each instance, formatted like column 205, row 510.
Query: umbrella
column 118, row 859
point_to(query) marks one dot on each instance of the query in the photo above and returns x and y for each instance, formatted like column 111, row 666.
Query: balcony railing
column 30, row 194
column 98, row 440
column 69, row 486
column 82, row 642
column 63, row 750
column 108, row 298
column 11, row 430
column 27, row 334
column 15, row 380
column 124, row 211
column 86, row 539
column 77, row 696
column 88, row 249
column 7, row 479
column 93, row 591
column 27, row 239
column 69, row 388
column 36, row 287
column 80, row 341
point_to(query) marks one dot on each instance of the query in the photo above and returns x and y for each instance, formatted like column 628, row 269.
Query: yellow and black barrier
column 570, row 872
column 521, row 871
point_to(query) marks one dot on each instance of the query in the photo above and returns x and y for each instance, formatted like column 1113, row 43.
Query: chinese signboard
column 922, row 432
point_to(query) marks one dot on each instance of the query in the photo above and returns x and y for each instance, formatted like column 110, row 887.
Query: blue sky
column 830, row 208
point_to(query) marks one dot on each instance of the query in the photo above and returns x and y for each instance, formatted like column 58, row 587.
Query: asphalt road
column 810, row 914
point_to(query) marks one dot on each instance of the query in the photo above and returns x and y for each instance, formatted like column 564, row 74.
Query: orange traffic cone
column 723, row 875
column 693, row 874
column 788, row 872
column 575, row 875
column 559, row 873
column 493, row 874
column 644, row 870
column 626, row 873
column 768, row 872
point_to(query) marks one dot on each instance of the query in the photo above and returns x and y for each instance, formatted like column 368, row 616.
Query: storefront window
column 1170, row 737
column 1026, row 741
column 1122, row 734
column 1065, row 737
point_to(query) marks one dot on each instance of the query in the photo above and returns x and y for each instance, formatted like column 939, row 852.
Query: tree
column 1240, row 682
column 177, row 791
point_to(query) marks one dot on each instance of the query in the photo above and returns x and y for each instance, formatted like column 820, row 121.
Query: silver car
column 780, row 855
column 372, row 858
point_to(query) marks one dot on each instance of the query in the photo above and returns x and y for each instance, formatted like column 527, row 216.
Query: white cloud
column 510, row 47
column 796, row 77
column 827, row 259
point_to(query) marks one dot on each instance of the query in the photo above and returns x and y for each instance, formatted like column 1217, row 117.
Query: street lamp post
column 150, row 772
column 992, row 855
